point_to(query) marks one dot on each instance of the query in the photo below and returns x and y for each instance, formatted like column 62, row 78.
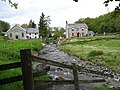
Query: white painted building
column 17, row 32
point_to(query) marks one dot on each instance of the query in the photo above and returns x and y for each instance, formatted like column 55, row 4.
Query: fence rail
column 10, row 66
column 27, row 73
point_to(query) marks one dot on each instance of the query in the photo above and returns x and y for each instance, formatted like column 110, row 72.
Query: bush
column 95, row 53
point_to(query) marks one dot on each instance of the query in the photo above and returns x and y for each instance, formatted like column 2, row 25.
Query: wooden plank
column 50, row 62
column 10, row 80
column 26, row 62
column 75, row 74
column 19, row 78
column 10, row 66
column 56, row 82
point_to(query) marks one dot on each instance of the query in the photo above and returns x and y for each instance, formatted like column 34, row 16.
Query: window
column 29, row 33
column 72, row 34
column 82, row 29
column 27, row 36
column 10, row 34
column 82, row 34
column 35, row 33
column 22, row 34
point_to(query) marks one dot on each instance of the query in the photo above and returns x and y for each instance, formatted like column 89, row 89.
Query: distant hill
column 109, row 23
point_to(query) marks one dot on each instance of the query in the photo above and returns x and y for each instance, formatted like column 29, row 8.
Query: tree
column 118, row 23
column 15, row 5
column 25, row 25
column 4, row 26
column 108, row 23
column 43, row 25
column 75, row 0
column 58, row 33
column 32, row 24
column 106, row 2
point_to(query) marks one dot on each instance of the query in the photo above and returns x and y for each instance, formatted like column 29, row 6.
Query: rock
column 59, row 69
column 40, row 67
column 60, row 78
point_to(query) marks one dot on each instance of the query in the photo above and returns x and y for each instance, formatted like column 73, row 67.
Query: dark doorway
column 16, row 36
column 78, row 34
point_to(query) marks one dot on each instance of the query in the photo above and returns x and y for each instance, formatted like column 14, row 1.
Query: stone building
column 76, row 30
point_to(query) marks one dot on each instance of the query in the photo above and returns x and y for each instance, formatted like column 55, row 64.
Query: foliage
column 25, row 25
column 58, row 33
column 105, row 50
column 104, row 23
column 106, row 2
column 43, row 25
column 4, row 26
column 15, row 5
column 117, row 24
column 32, row 24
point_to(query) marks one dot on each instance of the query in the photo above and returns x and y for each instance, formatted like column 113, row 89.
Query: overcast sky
column 59, row 11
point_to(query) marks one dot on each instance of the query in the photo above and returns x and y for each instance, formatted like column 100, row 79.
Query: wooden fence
column 28, row 75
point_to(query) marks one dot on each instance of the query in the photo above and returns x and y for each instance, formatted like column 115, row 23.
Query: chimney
column 66, row 22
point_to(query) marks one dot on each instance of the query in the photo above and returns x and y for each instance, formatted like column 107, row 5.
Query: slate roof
column 77, row 25
column 31, row 30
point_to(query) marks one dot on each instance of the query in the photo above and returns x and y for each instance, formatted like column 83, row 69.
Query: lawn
column 10, row 52
column 103, row 50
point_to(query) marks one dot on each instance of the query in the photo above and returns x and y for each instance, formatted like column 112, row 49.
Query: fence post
column 26, row 63
column 75, row 74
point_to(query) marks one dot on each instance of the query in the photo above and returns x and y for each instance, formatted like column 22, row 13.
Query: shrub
column 95, row 53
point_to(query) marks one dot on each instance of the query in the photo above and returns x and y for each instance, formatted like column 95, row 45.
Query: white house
column 76, row 30
column 17, row 32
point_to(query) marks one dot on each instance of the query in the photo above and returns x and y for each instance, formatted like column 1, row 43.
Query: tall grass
column 9, row 53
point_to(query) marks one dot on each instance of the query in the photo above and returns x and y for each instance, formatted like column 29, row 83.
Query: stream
column 51, row 52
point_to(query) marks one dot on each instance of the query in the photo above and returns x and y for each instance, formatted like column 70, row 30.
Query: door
column 16, row 36
column 78, row 34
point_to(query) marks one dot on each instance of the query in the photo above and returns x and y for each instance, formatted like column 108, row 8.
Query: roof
column 78, row 25
column 31, row 30
column 16, row 26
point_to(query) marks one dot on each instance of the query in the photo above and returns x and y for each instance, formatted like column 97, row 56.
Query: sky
column 59, row 11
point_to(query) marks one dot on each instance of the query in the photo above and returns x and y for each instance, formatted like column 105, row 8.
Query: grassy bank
column 10, row 52
column 104, row 50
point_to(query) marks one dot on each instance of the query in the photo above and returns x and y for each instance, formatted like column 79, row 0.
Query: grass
column 104, row 50
column 102, row 88
column 9, row 53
